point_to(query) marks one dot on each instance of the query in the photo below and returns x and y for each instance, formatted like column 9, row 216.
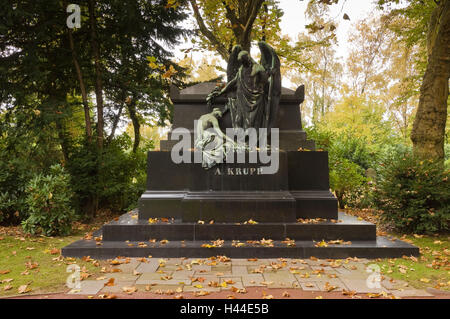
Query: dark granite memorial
column 187, row 208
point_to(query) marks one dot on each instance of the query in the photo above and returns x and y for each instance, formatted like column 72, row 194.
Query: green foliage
column 413, row 194
column 417, row 13
column 113, row 179
column 345, row 177
column 349, row 158
column 13, row 178
column 49, row 203
column 43, row 117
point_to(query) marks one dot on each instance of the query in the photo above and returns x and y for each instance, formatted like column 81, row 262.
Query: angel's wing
column 271, row 63
column 233, row 64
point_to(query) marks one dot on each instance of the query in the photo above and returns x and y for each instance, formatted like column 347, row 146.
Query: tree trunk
column 428, row 132
column 242, row 18
column 98, row 74
column 136, row 124
column 87, row 117
column 115, row 123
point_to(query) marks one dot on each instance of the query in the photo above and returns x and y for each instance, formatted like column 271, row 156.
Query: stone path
column 175, row 276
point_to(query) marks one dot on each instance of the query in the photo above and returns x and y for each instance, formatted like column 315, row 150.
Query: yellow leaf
column 129, row 290
column 169, row 73
column 201, row 293
column 23, row 289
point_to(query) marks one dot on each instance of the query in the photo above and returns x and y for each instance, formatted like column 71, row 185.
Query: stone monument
column 243, row 199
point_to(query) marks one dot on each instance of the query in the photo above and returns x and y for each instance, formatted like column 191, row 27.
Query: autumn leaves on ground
column 32, row 265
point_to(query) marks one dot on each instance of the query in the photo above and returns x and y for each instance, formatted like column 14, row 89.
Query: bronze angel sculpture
column 255, row 104
column 257, row 87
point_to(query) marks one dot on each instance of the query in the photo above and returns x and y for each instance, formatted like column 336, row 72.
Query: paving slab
column 129, row 267
column 192, row 288
column 183, row 274
column 237, row 283
column 279, row 279
column 154, row 275
column 151, row 266
column 360, row 286
column 411, row 293
column 120, row 276
column 309, row 286
column 322, row 285
column 300, row 277
column 239, row 270
column 159, row 288
column 88, row 287
column 221, row 268
column 156, row 278
column 246, row 262
column 201, row 268
column 117, row 287
column 253, row 280
column 394, row 284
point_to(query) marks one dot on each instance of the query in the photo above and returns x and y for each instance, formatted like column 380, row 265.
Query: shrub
column 360, row 196
column 345, row 177
column 49, row 203
column 15, row 173
column 113, row 180
column 413, row 194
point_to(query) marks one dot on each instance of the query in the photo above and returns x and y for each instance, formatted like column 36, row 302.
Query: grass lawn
column 33, row 264
column 431, row 269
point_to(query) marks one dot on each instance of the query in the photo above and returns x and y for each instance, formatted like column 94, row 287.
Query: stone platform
column 131, row 237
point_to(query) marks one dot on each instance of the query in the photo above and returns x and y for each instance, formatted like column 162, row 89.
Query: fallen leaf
column 201, row 293
column 129, row 290
column 110, row 282
column 23, row 289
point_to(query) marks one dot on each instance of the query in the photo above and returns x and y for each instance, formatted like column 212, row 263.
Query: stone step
column 170, row 204
column 382, row 247
column 238, row 207
column 139, row 230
